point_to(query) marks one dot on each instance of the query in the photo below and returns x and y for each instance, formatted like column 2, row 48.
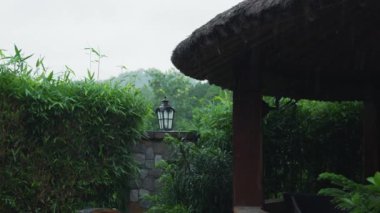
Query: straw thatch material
column 319, row 49
column 232, row 22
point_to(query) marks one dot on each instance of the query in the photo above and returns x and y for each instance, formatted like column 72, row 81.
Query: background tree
column 185, row 94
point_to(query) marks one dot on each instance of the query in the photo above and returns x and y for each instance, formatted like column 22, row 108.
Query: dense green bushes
column 308, row 138
column 184, row 93
column 198, row 179
column 301, row 140
column 351, row 196
column 64, row 144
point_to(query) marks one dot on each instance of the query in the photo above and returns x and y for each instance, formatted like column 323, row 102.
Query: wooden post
column 247, row 140
column 371, row 139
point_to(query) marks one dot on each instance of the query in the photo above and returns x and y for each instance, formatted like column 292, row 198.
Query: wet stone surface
column 147, row 154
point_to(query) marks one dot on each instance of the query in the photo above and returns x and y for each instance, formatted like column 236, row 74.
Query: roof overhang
column 315, row 49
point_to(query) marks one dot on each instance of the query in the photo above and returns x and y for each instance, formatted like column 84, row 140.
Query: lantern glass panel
column 171, row 113
column 166, row 118
column 170, row 119
column 160, row 120
column 170, row 124
column 159, row 115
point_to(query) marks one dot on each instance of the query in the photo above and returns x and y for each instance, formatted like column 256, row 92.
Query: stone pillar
column 147, row 154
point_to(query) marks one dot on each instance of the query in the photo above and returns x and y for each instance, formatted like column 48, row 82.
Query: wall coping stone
column 160, row 135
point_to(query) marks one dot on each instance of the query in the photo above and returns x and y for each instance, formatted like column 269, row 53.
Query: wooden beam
column 371, row 138
column 247, row 139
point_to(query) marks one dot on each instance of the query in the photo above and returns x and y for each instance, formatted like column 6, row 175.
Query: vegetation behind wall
column 185, row 94
column 307, row 138
column 301, row 140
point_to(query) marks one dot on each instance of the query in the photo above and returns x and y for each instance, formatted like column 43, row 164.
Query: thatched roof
column 319, row 49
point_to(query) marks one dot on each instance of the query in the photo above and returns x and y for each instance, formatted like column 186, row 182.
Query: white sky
column 137, row 34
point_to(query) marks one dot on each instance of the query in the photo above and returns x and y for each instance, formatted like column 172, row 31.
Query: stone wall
column 151, row 150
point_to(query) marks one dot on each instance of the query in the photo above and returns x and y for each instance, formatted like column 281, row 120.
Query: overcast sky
column 137, row 34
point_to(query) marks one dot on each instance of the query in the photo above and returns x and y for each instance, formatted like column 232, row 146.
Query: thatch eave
column 187, row 55
column 298, row 39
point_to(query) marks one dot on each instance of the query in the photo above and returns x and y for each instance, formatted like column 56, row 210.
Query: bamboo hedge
column 64, row 144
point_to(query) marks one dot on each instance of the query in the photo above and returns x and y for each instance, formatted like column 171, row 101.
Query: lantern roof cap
column 164, row 105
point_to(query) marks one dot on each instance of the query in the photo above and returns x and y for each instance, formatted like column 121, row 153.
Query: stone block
column 148, row 183
column 139, row 158
column 142, row 193
column 147, row 143
column 138, row 148
column 143, row 173
column 134, row 195
column 160, row 147
column 168, row 153
column 149, row 154
column 144, row 141
column 157, row 159
column 155, row 172
column 134, row 184
column 149, row 164
column 157, row 185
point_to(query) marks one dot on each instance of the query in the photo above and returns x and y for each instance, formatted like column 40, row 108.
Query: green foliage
column 185, row 94
column 352, row 196
column 176, row 87
column 164, row 208
column 215, row 123
column 199, row 176
column 99, row 55
column 306, row 138
column 64, row 144
column 301, row 139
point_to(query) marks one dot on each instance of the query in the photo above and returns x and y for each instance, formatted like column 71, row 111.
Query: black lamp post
column 165, row 115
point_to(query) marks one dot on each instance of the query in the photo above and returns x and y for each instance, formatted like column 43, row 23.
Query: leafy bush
column 184, row 93
column 306, row 138
column 64, row 144
column 352, row 196
column 198, row 179
column 296, row 137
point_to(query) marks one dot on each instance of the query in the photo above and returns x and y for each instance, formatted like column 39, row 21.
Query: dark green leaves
column 64, row 145
column 351, row 196
column 199, row 178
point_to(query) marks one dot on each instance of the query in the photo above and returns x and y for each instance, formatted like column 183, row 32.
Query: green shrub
column 309, row 137
column 198, row 179
column 64, row 144
column 352, row 196
column 296, row 138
